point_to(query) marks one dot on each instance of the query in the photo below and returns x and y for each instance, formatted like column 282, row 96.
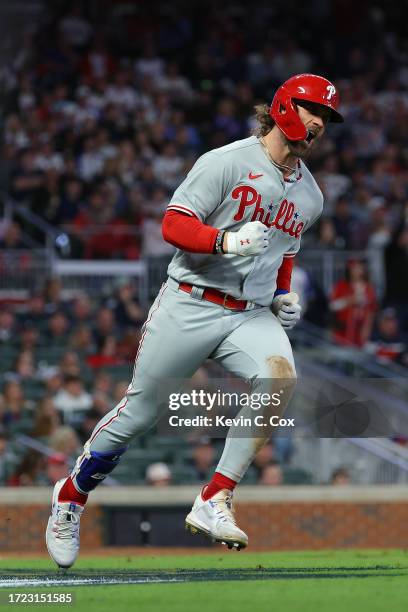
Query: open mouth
column 310, row 136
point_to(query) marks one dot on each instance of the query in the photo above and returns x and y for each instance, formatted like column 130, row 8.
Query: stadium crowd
column 102, row 117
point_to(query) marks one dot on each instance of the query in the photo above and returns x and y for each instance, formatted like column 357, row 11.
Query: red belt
column 217, row 297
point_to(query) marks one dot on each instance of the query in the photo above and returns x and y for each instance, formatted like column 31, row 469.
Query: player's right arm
column 190, row 234
column 204, row 188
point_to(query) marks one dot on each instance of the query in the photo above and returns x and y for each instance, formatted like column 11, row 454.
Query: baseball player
column 237, row 222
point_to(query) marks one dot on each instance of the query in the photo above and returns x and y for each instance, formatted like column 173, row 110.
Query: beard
column 301, row 148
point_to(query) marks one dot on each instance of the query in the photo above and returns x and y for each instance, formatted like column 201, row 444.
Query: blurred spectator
column 70, row 364
column 263, row 457
column 333, row 184
column 46, row 159
column 81, row 309
column 340, row 476
column 104, row 327
column 168, row 167
column 30, row 471
column 98, row 63
column 368, row 132
column 128, row 345
column 174, row 84
column 226, row 121
column 35, row 312
column 283, row 449
column 24, row 366
column 302, row 284
column 58, row 328
column 107, row 354
column 52, row 295
column 289, row 59
column 28, row 182
column 72, row 397
column 81, row 340
column 379, row 225
column 153, row 244
column 347, row 226
column 71, row 201
column 87, row 424
column 90, row 163
column 47, row 419
column 11, row 236
column 121, row 93
column 101, row 404
column 125, row 306
column 65, row 440
column 203, row 459
column 353, row 304
column 388, row 343
column 75, row 28
column 15, row 410
column 149, row 63
column 158, row 475
column 56, row 468
column 103, row 383
column 271, row 475
column 7, row 325
column 52, row 380
column 15, row 135
column 28, row 337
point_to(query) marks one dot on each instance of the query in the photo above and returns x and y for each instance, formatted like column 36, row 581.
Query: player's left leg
column 257, row 350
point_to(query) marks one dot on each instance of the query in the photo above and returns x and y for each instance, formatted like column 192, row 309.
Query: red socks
column 217, row 483
column 69, row 493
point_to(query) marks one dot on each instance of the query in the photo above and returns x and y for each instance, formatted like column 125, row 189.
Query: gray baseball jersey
column 226, row 188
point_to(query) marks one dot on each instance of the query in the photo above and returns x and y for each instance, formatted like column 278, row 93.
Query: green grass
column 324, row 581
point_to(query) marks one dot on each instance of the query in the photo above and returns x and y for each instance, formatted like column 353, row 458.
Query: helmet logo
column 332, row 91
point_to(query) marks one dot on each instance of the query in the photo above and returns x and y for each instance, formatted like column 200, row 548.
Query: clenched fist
column 287, row 309
column 251, row 239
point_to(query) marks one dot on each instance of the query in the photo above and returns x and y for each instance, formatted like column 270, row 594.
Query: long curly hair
column 265, row 121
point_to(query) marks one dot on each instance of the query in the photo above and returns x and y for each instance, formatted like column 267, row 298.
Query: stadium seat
column 183, row 474
column 296, row 476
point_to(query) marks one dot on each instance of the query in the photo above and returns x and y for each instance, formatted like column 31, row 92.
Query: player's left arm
column 285, row 304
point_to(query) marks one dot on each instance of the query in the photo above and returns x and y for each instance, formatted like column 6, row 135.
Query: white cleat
column 215, row 519
column 62, row 536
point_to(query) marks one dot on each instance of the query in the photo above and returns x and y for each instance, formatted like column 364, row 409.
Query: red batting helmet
column 309, row 87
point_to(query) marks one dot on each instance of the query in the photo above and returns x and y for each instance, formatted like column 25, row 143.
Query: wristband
column 218, row 242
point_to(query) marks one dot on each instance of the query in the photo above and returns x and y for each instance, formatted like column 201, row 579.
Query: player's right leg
column 179, row 333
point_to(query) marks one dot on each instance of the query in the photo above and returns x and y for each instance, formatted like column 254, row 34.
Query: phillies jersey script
column 226, row 188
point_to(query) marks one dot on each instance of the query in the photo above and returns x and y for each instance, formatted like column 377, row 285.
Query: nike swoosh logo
column 254, row 176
